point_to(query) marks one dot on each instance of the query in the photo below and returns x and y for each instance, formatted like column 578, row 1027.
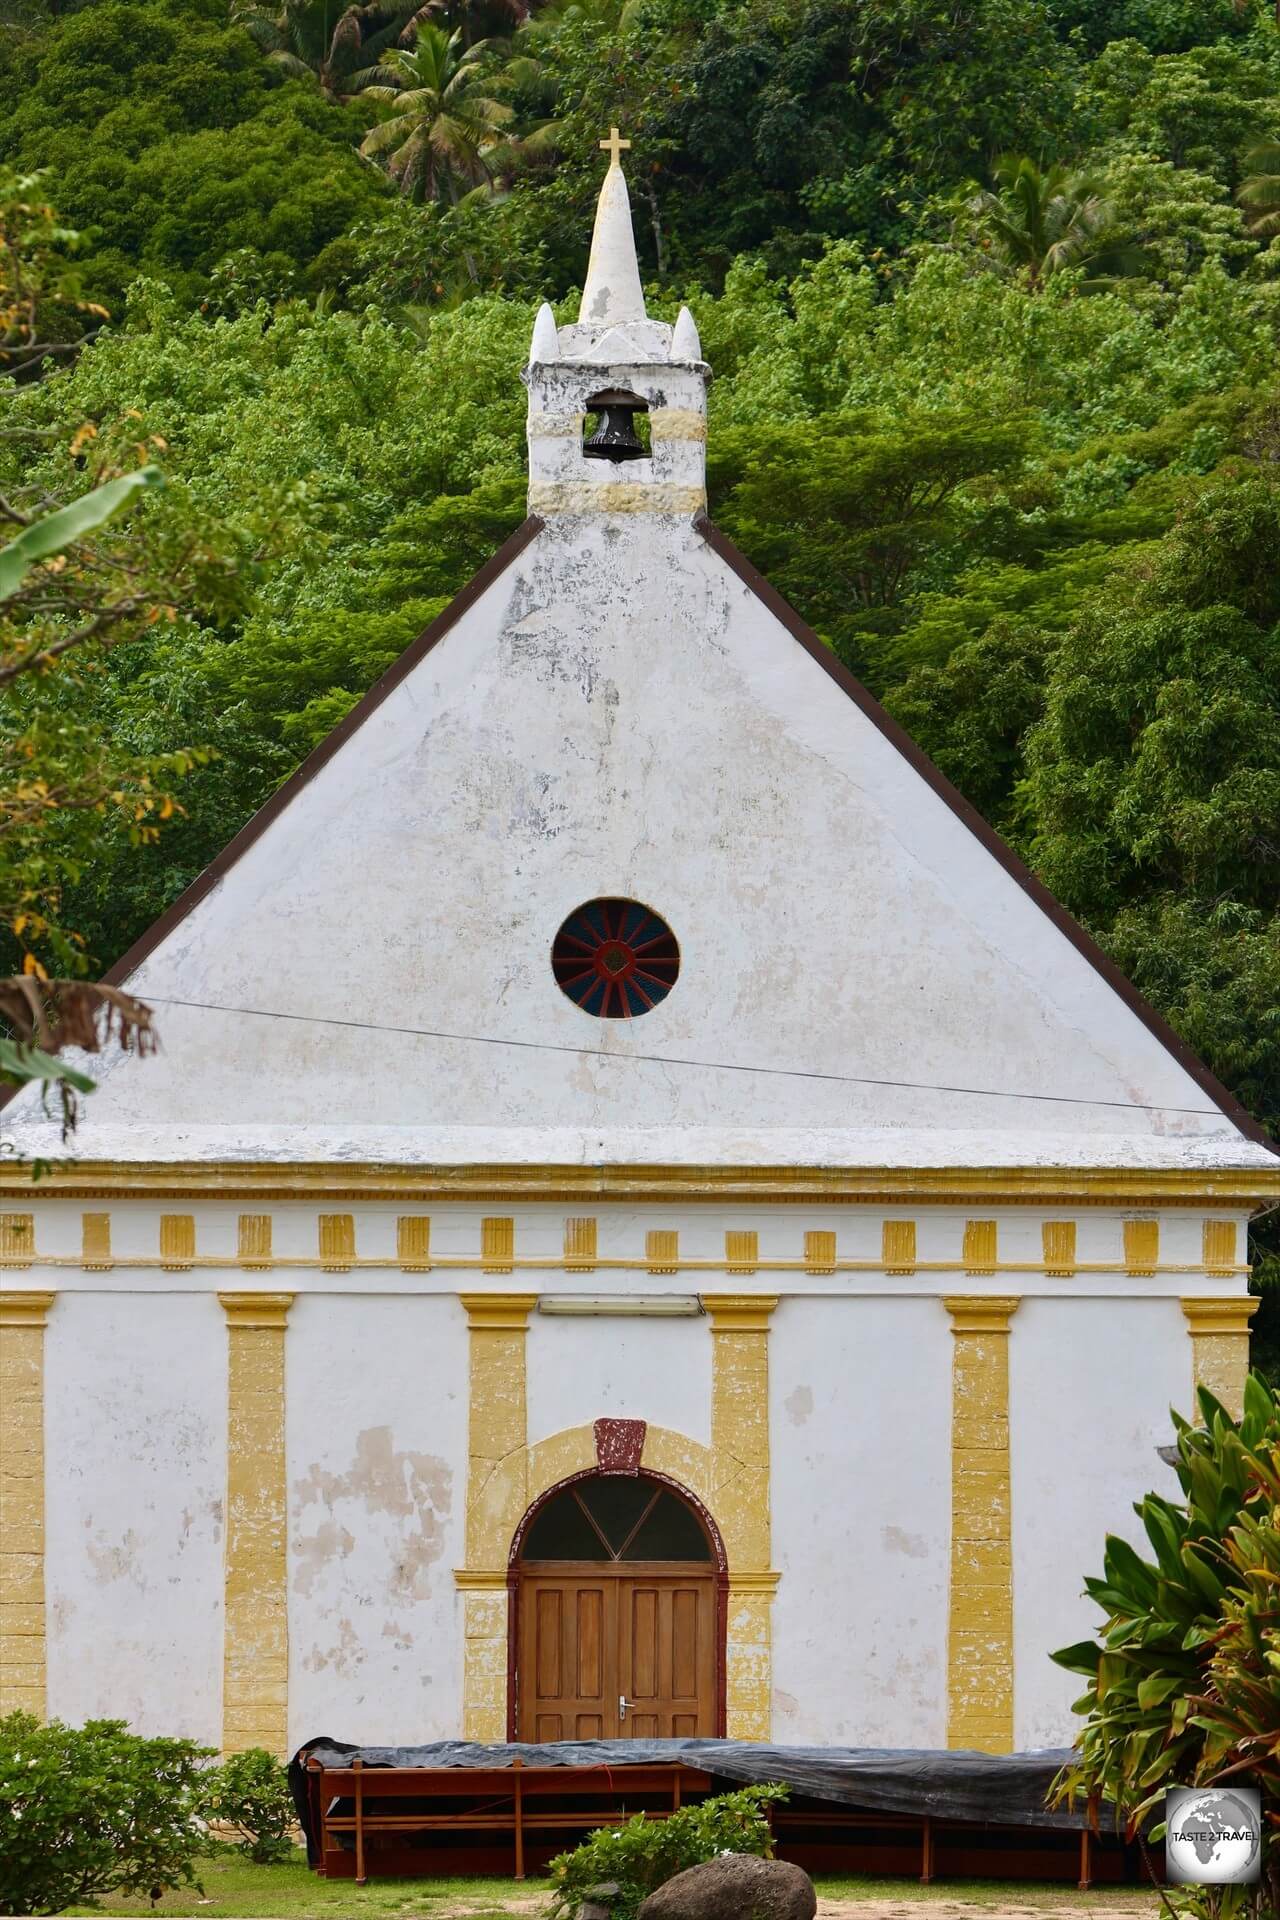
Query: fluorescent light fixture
column 665, row 1306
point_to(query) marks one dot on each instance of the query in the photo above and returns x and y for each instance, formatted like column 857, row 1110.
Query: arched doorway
column 617, row 1613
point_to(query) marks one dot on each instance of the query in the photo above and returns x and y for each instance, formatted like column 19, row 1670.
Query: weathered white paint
column 135, row 1465
column 654, row 1370
column 330, row 1141
column 1090, row 1387
column 377, row 1445
column 860, row 1398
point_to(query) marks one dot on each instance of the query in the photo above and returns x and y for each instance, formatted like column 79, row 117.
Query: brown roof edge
column 897, row 737
column 368, row 704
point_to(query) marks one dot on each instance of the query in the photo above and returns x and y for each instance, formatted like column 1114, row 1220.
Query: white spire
column 685, row 344
column 545, row 344
column 612, row 294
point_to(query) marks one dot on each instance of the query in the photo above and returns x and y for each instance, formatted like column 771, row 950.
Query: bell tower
column 617, row 401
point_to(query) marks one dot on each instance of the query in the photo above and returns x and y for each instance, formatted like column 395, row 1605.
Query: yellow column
column 255, row 1685
column 980, row 1628
column 496, row 1498
column 22, row 1632
column 1220, row 1346
column 740, row 1501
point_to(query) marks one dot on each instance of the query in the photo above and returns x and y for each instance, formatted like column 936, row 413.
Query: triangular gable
column 166, row 935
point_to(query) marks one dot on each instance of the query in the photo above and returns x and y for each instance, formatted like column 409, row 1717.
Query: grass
column 240, row 1891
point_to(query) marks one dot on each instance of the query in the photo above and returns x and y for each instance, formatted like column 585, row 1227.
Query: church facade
column 647, row 1219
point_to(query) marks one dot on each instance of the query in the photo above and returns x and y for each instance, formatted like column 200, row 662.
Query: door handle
column 623, row 1704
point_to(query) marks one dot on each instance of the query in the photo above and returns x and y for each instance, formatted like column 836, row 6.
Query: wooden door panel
column 666, row 1656
column 566, row 1684
column 548, row 1642
column 684, row 1644
column 587, row 1639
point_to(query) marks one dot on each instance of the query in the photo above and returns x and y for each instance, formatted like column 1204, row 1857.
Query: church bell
column 615, row 438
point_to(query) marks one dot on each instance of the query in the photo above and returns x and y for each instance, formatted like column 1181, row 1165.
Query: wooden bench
column 508, row 1801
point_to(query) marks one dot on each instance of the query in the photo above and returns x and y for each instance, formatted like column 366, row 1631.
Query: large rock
column 734, row 1886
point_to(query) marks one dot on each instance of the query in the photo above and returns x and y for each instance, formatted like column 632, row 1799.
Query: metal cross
column 614, row 146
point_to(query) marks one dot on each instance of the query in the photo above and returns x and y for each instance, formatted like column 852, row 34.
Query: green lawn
column 242, row 1892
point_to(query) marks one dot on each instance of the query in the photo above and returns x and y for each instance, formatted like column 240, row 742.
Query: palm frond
column 292, row 64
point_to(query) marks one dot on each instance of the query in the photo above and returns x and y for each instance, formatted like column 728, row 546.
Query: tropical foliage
column 440, row 127
column 1184, row 1674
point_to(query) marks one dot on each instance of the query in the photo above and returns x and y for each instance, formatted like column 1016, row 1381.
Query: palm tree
column 1040, row 221
column 1259, row 192
column 440, row 129
column 321, row 40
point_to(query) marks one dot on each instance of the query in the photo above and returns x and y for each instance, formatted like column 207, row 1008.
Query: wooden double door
column 616, row 1651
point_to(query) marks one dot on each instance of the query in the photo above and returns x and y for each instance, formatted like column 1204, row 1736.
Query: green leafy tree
column 92, row 1812
column 1153, row 778
column 250, row 1794
column 1196, row 109
column 171, row 143
column 847, row 513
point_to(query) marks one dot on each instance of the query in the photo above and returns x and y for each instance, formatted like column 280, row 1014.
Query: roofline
column 951, row 797
column 320, row 756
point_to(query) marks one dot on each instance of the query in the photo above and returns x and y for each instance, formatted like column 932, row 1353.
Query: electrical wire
column 672, row 1060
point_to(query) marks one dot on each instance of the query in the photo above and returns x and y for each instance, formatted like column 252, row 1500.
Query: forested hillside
column 991, row 289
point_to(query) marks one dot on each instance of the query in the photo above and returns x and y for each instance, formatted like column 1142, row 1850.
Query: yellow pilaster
column 980, row 1626
column 22, row 1615
column 255, row 1686
column 496, row 1497
column 740, row 1501
column 1220, row 1346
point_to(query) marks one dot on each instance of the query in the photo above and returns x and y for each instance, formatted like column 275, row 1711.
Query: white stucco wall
column 653, row 1370
column 135, row 1467
column 376, row 1429
column 860, row 1394
column 1090, row 1387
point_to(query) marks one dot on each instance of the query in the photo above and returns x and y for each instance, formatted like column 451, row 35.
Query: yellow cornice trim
column 479, row 1579
column 1221, row 1316
column 503, row 1310
column 888, row 1186
column 256, row 1309
column 739, row 1312
column 25, row 1309
column 981, row 1313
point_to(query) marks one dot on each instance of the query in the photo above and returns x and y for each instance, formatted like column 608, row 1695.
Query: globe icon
column 1213, row 1836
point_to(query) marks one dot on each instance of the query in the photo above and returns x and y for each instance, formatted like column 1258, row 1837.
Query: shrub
column 1184, row 1678
column 643, row 1853
column 250, row 1792
column 93, row 1810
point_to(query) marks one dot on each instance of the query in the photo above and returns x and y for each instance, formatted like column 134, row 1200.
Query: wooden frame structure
column 356, row 1803
column 439, row 1821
